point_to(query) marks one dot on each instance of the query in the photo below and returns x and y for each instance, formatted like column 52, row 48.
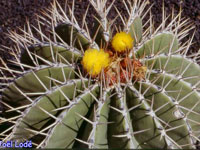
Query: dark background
column 13, row 14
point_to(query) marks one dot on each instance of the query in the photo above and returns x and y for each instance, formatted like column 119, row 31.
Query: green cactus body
column 56, row 104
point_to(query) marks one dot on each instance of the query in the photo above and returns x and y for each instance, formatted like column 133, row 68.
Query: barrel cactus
column 73, row 88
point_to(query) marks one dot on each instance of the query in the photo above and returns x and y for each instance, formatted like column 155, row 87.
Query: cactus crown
column 64, row 92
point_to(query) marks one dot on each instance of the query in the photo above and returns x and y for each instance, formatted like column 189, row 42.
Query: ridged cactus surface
column 150, row 100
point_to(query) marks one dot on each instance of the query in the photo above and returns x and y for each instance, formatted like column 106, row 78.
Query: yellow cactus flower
column 122, row 42
column 94, row 61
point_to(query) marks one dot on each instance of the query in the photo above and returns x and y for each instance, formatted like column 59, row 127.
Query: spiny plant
column 76, row 88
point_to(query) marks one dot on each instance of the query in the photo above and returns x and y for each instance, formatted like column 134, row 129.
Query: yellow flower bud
column 94, row 61
column 122, row 42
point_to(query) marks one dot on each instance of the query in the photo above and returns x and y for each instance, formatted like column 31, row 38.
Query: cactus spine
column 56, row 104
